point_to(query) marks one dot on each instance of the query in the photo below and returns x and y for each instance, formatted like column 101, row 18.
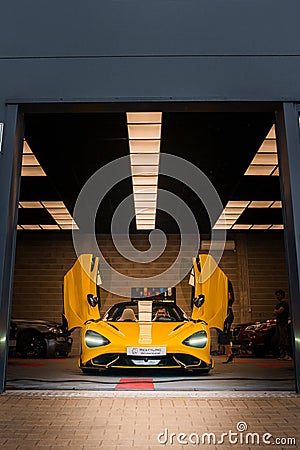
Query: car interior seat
column 127, row 316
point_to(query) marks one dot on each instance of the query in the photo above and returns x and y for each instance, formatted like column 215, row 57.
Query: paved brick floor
column 86, row 420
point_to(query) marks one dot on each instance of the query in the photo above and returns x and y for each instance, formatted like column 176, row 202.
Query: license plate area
column 146, row 362
column 146, row 351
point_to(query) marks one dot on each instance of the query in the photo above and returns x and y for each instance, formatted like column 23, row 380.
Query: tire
column 194, row 372
column 204, row 371
column 88, row 371
column 31, row 345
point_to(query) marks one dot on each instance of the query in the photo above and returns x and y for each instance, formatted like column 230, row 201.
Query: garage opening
column 236, row 151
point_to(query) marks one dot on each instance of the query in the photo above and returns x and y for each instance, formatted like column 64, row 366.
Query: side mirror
column 92, row 300
column 199, row 300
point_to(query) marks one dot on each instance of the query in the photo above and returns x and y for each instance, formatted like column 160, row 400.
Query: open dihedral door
column 212, row 282
column 79, row 282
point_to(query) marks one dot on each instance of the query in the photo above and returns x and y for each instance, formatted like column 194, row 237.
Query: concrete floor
column 244, row 374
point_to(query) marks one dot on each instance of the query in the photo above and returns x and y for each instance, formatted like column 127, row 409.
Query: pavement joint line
column 150, row 394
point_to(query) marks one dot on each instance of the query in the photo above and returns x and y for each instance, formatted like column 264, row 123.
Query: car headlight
column 55, row 330
column 254, row 327
column 93, row 339
column 198, row 340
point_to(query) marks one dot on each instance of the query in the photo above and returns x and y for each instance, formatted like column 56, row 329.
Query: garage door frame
column 287, row 130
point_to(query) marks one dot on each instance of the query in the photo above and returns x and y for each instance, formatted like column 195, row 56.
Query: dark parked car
column 258, row 338
column 38, row 339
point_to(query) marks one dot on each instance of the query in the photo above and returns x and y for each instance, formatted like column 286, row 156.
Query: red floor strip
column 273, row 366
column 27, row 364
column 135, row 383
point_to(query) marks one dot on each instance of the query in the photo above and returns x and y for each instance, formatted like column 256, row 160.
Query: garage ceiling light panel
column 30, row 165
column 57, row 210
column 260, row 204
column 61, row 215
column 144, row 146
column 234, row 209
column 277, row 227
column 50, row 227
column 144, row 132
column 260, row 227
column 31, row 227
column 277, row 204
column 30, row 205
column 265, row 162
column 230, row 214
column 241, row 226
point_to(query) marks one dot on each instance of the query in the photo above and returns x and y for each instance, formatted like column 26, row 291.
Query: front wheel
column 199, row 371
column 89, row 371
column 205, row 371
column 31, row 345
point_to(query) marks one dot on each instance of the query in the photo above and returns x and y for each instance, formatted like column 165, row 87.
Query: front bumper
column 170, row 361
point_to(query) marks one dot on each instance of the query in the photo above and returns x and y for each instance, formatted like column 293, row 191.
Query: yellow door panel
column 213, row 283
column 80, row 281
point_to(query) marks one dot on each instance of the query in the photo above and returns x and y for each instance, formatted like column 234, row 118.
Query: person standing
column 225, row 335
column 281, row 313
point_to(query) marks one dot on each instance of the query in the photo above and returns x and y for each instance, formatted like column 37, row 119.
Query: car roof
column 36, row 322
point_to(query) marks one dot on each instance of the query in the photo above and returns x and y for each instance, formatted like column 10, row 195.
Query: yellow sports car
column 143, row 333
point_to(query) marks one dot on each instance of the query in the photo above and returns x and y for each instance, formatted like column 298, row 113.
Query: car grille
column 170, row 360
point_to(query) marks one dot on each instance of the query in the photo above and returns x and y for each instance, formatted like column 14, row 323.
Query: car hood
column 147, row 333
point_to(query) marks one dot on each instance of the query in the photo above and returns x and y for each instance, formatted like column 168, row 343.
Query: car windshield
column 162, row 312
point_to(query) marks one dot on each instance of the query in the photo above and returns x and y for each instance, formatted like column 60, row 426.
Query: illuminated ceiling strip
column 230, row 214
column 265, row 162
column 260, row 204
column 30, row 165
column 60, row 214
column 260, row 227
column 242, row 226
column 277, row 227
column 50, row 227
column 56, row 209
column 144, row 132
column 234, row 209
column 30, row 205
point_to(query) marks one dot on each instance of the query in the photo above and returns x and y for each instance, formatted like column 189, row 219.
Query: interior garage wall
column 267, row 273
column 42, row 259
